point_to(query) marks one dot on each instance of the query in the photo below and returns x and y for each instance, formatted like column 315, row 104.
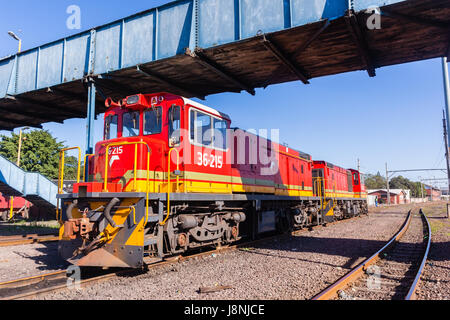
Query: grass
column 29, row 227
column 436, row 226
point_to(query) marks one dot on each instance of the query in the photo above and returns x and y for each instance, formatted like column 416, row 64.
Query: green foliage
column 375, row 181
column 39, row 153
column 404, row 183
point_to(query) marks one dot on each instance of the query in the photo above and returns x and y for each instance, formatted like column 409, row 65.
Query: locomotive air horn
column 110, row 103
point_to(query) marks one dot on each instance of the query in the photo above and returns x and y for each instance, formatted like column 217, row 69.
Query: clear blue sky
column 394, row 117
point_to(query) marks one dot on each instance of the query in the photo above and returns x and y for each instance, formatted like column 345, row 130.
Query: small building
column 433, row 194
column 397, row 196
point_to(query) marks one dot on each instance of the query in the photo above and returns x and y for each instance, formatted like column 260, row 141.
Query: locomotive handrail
column 61, row 176
column 61, row 166
column 132, row 208
column 168, row 182
column 135, row 143
column 86, row 158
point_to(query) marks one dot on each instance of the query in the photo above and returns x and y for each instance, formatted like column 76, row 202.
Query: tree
column 404, row 183
column 39, row 153
column 379, row 182
column 375, row 181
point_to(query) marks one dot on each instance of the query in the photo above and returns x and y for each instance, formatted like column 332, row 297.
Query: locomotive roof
column 206, row 108
column 330, row 165
column 301, row 154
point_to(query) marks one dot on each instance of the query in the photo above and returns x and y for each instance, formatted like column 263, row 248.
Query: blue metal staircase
column 30, row 185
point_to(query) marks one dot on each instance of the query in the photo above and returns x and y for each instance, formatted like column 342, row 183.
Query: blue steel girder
column 147, row 51
column 90, row 118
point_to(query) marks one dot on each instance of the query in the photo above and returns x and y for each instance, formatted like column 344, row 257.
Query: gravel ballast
column 293, row 267
column 29, row 260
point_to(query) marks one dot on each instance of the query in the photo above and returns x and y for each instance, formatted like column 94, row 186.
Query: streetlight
column 421, row 186
column 20, row 145
column 13, row 35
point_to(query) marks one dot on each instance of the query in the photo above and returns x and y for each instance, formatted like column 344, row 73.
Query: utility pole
column 387, row 186
column 446, row 90
column 359, row 170
column 421, row 187
column 447, row 109
column 446, row 151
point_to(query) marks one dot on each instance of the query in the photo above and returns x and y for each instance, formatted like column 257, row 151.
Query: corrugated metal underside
column 410, row 31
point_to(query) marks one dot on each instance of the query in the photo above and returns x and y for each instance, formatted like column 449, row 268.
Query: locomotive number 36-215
column 209, row 160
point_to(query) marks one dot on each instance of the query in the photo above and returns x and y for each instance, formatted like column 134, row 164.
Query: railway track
column 7, row 241
column 391, row 273
column 31, row 287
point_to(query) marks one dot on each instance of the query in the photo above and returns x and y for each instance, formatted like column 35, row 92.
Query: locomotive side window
column 130, row 124
column 207, row 130
column 200, row 128
column 220, row 134
column 355, row 178
column 111, row 127
column 152, row 121
column 174, row 125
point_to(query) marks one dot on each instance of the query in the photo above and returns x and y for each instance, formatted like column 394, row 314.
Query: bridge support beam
column 168, row 83
column 300, row 50
column 6, row 123
column 360, row 41
column 204, row 61
column 45, row 106
column 283, row 59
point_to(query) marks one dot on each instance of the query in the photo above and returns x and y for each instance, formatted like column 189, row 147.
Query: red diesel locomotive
column 172, row 175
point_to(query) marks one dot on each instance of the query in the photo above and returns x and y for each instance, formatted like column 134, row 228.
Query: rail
column 62, row 153
column 356, row 272
column 8, row 241
column 169, row 187
column 412, row 291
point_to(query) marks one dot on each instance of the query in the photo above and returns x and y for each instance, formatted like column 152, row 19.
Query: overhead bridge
column 200, row 47
column 30, row 185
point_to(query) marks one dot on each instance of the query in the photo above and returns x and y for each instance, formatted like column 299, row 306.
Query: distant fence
column 371, row 201
column 419, row 200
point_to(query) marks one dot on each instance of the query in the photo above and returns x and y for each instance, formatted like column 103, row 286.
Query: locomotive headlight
column 133, row 99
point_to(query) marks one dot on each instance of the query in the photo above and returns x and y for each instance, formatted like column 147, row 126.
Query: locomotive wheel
column 234, row 232
column 182, row 239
